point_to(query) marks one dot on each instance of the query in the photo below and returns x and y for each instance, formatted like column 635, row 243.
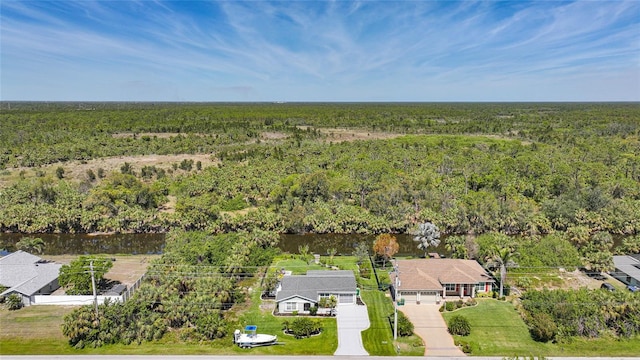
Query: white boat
column 250, row 338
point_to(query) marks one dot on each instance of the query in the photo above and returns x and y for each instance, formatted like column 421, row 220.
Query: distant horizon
column 320, row 51
column 323, row 102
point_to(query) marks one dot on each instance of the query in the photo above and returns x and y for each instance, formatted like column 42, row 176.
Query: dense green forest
column 470, row 168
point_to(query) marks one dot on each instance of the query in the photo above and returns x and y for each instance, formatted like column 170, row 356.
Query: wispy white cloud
column 315, row 50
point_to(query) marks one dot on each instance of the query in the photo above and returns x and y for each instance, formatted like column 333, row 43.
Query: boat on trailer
column 250, row 338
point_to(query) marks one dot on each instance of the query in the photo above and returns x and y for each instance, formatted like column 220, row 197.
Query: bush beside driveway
column 431, row 327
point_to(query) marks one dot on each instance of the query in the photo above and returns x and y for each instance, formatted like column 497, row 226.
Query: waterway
column 79, row 244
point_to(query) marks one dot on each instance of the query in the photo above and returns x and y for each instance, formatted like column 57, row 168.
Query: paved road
column 352, row 319
column 430, row 326
column 266, row 357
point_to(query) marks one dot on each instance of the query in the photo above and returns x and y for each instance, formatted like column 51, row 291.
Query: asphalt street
column 273, row 357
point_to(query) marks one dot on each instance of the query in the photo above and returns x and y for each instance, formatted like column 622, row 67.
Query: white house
column 301, row 292
column 28, row 275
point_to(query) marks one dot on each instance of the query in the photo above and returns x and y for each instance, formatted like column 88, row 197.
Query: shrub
column 464, row 346
column 459, row 325
column 405, row 327
column 313, row 310
column 60, row 172
column 302, row 327
column 450, row 306
column 542, row 327
column 471, row 302
column 14, row 302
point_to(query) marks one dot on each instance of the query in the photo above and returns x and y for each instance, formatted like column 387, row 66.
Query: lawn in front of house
column 259, row 313
column 378, row 338
column 498, row 330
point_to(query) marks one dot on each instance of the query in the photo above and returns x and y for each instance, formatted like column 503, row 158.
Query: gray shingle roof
column 315, row 282
column 26, row 273
column 628, row 265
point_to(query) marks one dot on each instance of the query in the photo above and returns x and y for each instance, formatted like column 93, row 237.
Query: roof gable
column 26, row 273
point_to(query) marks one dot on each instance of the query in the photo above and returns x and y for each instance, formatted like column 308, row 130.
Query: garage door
column 410, row 297
column 428, row 297
column 346, row 299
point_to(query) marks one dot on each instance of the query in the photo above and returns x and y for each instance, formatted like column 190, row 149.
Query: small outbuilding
column 627, row 269
column 28, row 275
column 298, row 293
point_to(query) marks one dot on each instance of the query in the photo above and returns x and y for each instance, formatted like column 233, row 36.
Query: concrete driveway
column 352, row 320
column 430, row 326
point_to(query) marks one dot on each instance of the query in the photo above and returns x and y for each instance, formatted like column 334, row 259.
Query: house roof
column 26, row 273
column 432, row 274
column 628, row 265
column 316, row 282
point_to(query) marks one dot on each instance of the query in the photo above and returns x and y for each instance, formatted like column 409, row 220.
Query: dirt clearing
column 78, row 169
column 343, row 134
column 126, row 268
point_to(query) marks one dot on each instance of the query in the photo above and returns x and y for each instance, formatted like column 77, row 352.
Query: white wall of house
column 298, row 303
column 71, row 299
column 293, row 304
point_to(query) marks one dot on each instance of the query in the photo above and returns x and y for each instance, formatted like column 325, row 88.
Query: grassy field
column 297, row 266
column 498, row 330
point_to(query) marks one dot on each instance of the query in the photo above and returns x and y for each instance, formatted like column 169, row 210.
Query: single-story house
column 28, row 275
column 301, row 292
column 431, row 280
column 627, row 269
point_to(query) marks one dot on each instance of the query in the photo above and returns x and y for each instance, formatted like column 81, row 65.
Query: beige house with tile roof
column 431, row 280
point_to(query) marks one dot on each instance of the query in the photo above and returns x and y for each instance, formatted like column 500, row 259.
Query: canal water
column 59, row 244
column 79, row 244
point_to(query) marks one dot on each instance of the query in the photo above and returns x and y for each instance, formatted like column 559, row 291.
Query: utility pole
column 395, row 303
column 93, row 285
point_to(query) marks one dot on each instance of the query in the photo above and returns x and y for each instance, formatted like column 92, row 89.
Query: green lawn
column 378, row 339
column 297, row 266
column 324, row 344
column 498, row 330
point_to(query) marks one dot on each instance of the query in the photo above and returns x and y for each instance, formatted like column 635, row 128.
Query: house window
column 291, row 306
column 325, row 295
column 307, row 306
column 480, row 287
column 450, row 287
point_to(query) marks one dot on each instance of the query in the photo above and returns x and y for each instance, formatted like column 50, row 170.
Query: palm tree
column 427, row 235
column 502, row 258
column 30, row 244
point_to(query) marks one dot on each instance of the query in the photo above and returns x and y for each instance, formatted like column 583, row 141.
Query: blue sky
column 320, row 51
